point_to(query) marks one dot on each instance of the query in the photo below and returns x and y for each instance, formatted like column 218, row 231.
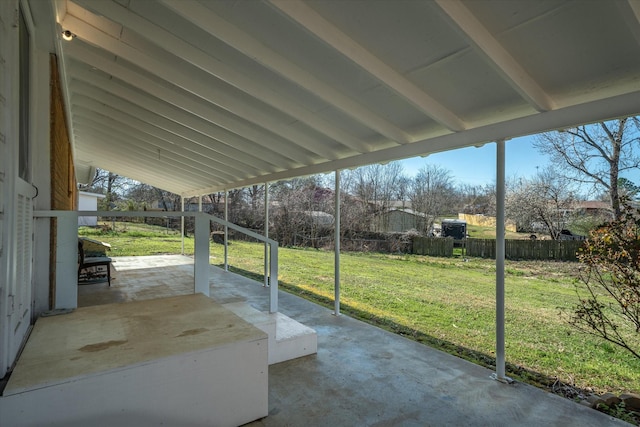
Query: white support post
column 200, row 203
column 226, row 230
column 182, row 225
column 66, row 293
column 500, row 256
column 273, row 290
column 336, row 237
column 266, row 233
column 201, row 255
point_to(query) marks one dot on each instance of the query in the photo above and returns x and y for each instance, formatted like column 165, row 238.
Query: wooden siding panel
column 63, row 182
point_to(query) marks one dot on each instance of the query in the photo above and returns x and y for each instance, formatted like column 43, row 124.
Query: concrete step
column 115, row 362
column 288, row 339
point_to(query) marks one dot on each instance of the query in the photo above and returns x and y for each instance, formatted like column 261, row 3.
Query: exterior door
column 16, row 205
column 19, row 289
column 7, row 38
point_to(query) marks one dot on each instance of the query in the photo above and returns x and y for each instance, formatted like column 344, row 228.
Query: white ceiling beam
column 336, row 39
column 207, row 20
column 224, row 72
column 102, row 145
column 193, row 128
column 635, row 7
column 133, row 170
column 136, row 162
column 141, row 133
column 196, row 142
column 129, row 169
column 224, row 126
column 91, row 130
column 203, row 89
column 87, row 110
column 492, row 50
column 145, row 132
column 630, row 10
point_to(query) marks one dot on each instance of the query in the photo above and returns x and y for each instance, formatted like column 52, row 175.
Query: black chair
column 88, row 262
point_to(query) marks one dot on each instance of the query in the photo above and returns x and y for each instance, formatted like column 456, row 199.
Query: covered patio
column 361, row 375
column 197, row 97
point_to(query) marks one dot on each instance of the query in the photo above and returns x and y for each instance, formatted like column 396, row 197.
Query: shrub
column 609, row 285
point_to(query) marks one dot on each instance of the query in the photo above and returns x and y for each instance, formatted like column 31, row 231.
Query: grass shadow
column 525, row 375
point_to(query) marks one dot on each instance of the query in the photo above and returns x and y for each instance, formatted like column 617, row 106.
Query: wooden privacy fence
column 561, row 250
column 433, row 246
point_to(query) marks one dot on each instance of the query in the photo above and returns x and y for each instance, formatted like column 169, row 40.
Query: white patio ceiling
column 201, row 96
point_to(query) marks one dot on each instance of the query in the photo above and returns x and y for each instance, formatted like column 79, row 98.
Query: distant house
column 593, row 207
column 167, row 205
column 88, row 202
column 400, row 204
column 401, row 220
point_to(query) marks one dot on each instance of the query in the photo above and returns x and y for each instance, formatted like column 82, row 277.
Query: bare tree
column 112, row 185
column 302, row 215
column 477, row 199
column 246, row 207
column 401, row 193
column 596, row 154
column 374, row 186
column 355, row 215
column 431, row 194
column 545, row 200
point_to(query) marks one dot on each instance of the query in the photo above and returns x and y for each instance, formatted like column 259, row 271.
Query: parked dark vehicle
column 455, row 228
column 568, row 235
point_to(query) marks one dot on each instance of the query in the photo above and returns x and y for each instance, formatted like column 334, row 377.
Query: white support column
column 336, row 238
column 273, row 286
column 66, row 294
column 226, row 230
column 199, row 203
column 266, row 233
column 500, row 256
column 201, row 255
column 182, row 225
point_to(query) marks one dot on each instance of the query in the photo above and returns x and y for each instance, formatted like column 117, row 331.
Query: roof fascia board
column 602, row 109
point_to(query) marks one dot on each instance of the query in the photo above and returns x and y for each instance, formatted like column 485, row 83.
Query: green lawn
column 447, row 303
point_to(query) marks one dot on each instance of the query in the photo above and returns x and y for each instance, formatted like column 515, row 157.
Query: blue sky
column 477, row 166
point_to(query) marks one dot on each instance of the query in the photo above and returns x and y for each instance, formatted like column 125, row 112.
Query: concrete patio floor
column 361, row 375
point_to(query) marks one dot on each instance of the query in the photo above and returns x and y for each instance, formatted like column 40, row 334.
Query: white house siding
column 399, row 221
column 88, row 202
column 19, row 191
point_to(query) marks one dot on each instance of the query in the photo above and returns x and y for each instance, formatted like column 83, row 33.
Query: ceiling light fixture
column 68, row 35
